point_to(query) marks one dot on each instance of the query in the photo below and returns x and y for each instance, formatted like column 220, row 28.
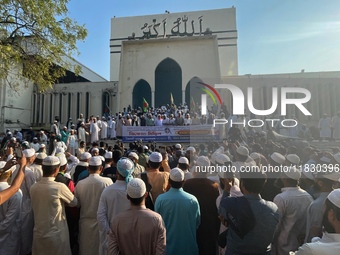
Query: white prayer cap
column 28, row 153
column 95, row 149
column 35, row 138
column 334, row 197
column 136, row 188
column 242, row 151
column 255, row 155
column 221, row 158
column 333, row 176
column 292, row 173
column 325, row 159
column 145, row 147
column 293, row 158
column 13, row 139
column 62, row 159
column 95, row 161
column 192, row 149
column 178, row 146
column 278, row 158
column 85, row 155
column 202, row 161
column 176, row 174
column 183, row 160
column 108, row 155
column 65, row 127
column 2, row 164
column 306, row 171
column 337, row 157
column 213, row 157
column 51, row 161
column 155, row 157
column 42, row 146
column 41, row 155
column 133, row 155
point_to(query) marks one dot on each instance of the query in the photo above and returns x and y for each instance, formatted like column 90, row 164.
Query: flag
column 145, row 105
column 171, row 99
column 192, row 105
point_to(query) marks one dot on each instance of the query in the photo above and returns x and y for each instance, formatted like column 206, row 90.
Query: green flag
column 145, row 105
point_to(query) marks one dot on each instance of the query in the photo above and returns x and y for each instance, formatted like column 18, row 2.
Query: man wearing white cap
column 26, row 207
column 94, row 131
column 88, row 192
column 323, row 185
column 293, row 203
column 183, row 164
column 138, row 168
column 329, row 244
column 181, row 214
column 10, row 217
column 158, row 180
column 36, row 167
column 103, row 129
column 137, row 230
column 81, row 167
column 48, row 201
column 35, row 145
column 206, row 192
column 113, row 201
column 70, row 217
column 270, row 190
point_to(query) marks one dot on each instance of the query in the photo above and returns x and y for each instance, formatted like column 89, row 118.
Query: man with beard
column 329, row 244
column 293, row 203
column 323, row 185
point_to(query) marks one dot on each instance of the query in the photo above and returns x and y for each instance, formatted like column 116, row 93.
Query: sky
column 274, row 36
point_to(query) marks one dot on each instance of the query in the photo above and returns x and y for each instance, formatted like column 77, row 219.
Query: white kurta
column 336, row 127
column 72, row 144
column 26, row 212
column 113, row 129
column 50, row 230
column 88, row 192
column 325, row 127
column 81, row 134
column 37, row 171
column 112, row 201
column 10, row 222
column 94, row 130
column 103, row 131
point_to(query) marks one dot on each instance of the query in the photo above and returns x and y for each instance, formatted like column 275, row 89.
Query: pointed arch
column 141, row 90
column 193, row 91
column 168, row 79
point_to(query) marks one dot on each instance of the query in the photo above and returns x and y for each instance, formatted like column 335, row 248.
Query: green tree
column 36, row 39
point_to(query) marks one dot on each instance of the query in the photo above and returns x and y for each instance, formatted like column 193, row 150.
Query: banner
column 199, row 133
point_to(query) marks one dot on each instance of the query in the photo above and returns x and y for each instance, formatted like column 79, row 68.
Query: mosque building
column 155, row 57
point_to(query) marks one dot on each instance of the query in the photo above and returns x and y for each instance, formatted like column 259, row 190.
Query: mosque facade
column 156, row 57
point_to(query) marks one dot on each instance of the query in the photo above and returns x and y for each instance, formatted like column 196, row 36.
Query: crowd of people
column 68, row 192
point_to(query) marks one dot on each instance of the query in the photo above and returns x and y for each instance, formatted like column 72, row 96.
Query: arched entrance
column 168, row 80
column 106, row 104
column 141, row 90
column 193, row 92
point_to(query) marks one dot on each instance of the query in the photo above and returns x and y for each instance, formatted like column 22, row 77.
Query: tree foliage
column 36, row 38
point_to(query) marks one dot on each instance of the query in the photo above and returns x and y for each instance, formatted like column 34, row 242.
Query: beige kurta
column 50, row 235
column 88, row 192
column 137, row 231
column 112, row 202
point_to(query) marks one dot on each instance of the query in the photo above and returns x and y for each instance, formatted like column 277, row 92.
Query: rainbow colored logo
column 210, row 92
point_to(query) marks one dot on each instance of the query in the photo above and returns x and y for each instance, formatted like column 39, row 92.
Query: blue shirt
column 258, row 240
column 181, row 214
